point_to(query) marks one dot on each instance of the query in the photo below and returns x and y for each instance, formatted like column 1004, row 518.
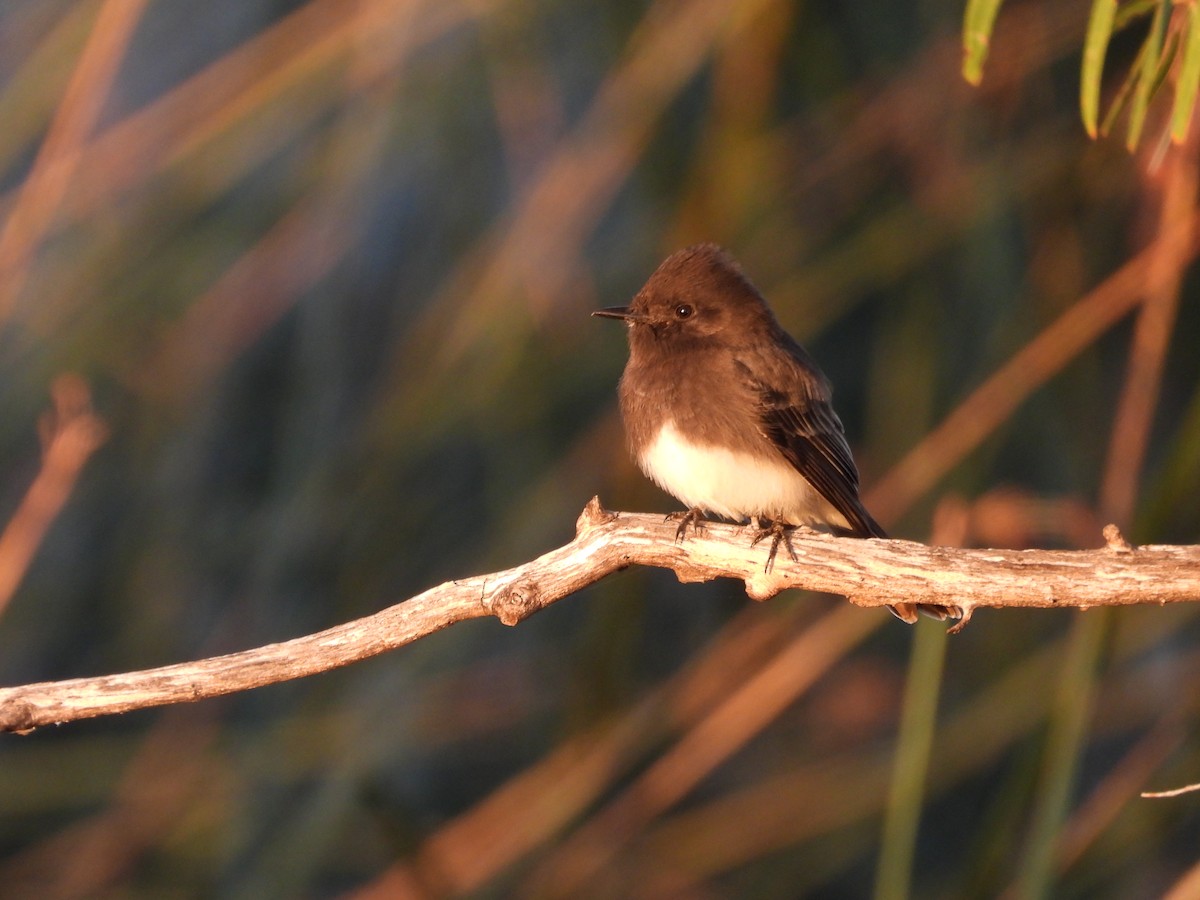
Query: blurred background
column 294, row 324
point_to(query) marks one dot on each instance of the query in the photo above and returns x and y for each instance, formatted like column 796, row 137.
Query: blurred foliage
column 1170, row 47
column 326, row 269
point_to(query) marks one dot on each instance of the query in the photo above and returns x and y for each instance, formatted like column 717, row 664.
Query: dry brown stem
column 70, row 433
column 869, row 573
column 59, row 156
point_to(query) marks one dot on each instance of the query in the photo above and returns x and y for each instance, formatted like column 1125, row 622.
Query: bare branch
column 1174, row 792
column 868, row 572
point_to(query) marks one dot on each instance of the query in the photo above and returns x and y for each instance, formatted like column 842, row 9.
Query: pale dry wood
column 868, row 572
column 1174, row 792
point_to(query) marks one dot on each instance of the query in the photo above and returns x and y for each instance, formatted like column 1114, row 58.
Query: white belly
column 734, row 484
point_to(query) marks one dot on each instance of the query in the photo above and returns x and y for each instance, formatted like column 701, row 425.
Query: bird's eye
column 684, row 311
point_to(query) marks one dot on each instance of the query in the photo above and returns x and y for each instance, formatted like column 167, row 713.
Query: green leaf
column 1095, row 46
column 1122, row 99
column 1164, row 64
column 978, row 20
column 1147, row 78
column 1130, row 11
column 1189, row 77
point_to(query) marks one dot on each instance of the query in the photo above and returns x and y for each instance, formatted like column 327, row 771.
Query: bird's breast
column 732, row 483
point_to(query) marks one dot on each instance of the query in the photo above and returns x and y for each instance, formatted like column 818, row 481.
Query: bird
column 728, row 413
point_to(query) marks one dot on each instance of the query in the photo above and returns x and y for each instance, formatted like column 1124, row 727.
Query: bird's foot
column 693, row 517
column 779, row 533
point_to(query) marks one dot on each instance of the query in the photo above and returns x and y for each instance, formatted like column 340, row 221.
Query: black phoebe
column 724, row 410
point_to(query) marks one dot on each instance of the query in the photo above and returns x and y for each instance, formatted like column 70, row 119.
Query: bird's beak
column 618, row 312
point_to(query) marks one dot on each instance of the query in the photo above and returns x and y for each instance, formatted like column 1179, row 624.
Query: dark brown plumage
column 724, row 410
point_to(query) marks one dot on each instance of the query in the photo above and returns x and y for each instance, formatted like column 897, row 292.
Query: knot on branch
column 593, row 516
column 764, row 585
column 18, row 716
column 516, row 602
column 1115, row 540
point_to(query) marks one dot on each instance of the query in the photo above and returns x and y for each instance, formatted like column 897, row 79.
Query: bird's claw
column 779, row 533
column 693, row 517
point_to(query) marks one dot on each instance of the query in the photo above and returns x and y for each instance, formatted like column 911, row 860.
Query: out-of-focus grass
column 327, row 268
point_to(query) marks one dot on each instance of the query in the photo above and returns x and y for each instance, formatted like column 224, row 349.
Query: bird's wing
column 809, row 434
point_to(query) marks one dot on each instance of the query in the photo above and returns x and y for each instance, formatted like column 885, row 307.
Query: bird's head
column 697, row 295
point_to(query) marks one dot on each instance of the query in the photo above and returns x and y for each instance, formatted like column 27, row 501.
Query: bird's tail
column 867, row 527
column 907, row 612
